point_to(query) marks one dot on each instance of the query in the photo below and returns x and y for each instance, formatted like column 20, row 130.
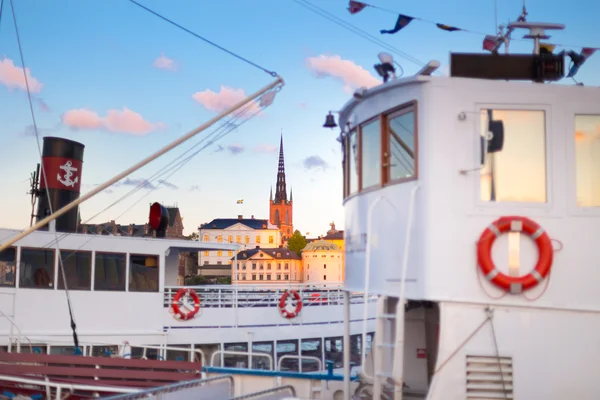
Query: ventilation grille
column 489, row 378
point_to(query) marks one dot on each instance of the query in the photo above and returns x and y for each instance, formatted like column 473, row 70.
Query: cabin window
column 78, row 270
column 262, row 362
column 311, row 348
column 109, row 272
column 587, row 160
column 235, row 360
column 351, row 163
column 289, row 348
column 513, row 156
column 37, row 269
column 8, row 262
column 355, row 349
column 400, row 146
column 334, row 351
column 370, row 152
column 143, row 273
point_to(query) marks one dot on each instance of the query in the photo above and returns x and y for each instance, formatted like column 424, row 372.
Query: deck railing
column 227, row 296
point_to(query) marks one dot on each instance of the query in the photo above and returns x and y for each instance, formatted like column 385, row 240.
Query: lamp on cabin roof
column 386, row 67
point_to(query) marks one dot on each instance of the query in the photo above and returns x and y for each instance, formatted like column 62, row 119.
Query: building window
column 260, row 277
column 109, row 272
column 268, row 266
column 220, row 238
column 253, row 265
column 287, row 266
column 587, row 160
column 400, row 146
column 219, row 253
column 324, row 266
column 244, row 277
column 370, row 151
column 261, row 266
column 257, row 238
column 36, row 269
column 253, row 277
column 230, row 253
column 278, row 277
column 271, row 239
column 78, row 270
column 206, row 253
column 278, row 265
column 229, row 239
column 8, row 265
column 219, row 262
column 514, row 170
column 269, row 277
column 205, row 262
column 206, row 238
column 324, row 277
column 143, row 273
column 286, row 277
column 247, row 239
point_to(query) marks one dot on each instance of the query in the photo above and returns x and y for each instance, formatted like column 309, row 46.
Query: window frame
column 125, row 272
column 481, row 207
column 572, row 110
column 16, row 272
column 385, row 139
column 59, row 274
column 20, row 267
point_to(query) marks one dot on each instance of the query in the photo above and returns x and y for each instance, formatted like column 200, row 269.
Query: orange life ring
column 515, row 224
column 283, row 304
column 179, row 313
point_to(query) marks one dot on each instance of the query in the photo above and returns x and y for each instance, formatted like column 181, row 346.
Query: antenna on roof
column 536, row 31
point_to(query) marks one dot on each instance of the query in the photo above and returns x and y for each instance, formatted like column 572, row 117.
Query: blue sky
column 99, row 56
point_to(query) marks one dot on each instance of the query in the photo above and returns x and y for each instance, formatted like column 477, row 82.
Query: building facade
column 281, row 210
column 323, row 262
column 249, row 232
column 261, row 265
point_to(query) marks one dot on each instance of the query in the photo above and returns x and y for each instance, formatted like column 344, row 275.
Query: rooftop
column 321, row 245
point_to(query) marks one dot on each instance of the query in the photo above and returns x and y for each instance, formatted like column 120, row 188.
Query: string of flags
column 490, row 42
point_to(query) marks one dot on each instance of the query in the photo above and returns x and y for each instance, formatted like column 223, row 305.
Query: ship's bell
column 329, row 121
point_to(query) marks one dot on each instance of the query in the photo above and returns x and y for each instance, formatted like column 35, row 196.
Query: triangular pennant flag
column 588, row 51
column 402, row 21
column 579, row 59
column 448, row 28
column 356, row 6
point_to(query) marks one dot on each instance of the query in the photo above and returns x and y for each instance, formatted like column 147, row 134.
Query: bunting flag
column 402, row 21
column 579, row 59
column 356, row 6
column 490, row 42
column 241, row 201
column 448, row 28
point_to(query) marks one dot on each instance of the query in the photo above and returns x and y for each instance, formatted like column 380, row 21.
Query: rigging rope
column 365, row 35
column 272, row 73
column 37, row 137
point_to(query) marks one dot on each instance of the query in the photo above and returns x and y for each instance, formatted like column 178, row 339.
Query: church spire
column 271, row 195
column 280, row 190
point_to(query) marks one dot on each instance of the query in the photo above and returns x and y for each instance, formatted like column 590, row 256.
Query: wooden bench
column 104, row 371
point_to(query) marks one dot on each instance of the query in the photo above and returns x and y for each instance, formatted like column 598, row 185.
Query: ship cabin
column 439, row 168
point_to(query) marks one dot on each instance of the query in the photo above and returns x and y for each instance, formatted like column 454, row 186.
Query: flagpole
column 279, row 81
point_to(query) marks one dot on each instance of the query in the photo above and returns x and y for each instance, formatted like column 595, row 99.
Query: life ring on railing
column 178, row 311
column 283, row 303
column 515, row 224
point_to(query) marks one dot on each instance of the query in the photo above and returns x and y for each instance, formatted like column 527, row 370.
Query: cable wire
column 272, row 73
column 37, row 137
column 365, row 35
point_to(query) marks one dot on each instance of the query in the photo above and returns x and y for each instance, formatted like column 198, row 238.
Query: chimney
column 240, row 217
column 130, row 230
column 252, row 217
column 257, row 247
column 60, row 181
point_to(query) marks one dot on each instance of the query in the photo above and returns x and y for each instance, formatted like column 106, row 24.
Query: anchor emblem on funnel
column 69, row 169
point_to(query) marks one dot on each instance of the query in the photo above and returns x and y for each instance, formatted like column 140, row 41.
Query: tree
column 297, row 242
column 193, row 236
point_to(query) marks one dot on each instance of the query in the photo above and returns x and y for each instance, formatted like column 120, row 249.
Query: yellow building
column 333, row 236
column 261, row 265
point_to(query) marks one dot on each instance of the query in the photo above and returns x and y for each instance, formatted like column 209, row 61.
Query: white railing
column 241, row 353
column 300, row 358
column 59, row 387
column 244, row 296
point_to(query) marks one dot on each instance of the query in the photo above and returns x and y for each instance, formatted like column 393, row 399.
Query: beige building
column 260, row 265
column 323, row 262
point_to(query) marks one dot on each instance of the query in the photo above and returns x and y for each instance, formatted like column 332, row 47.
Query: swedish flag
column 241, row 201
